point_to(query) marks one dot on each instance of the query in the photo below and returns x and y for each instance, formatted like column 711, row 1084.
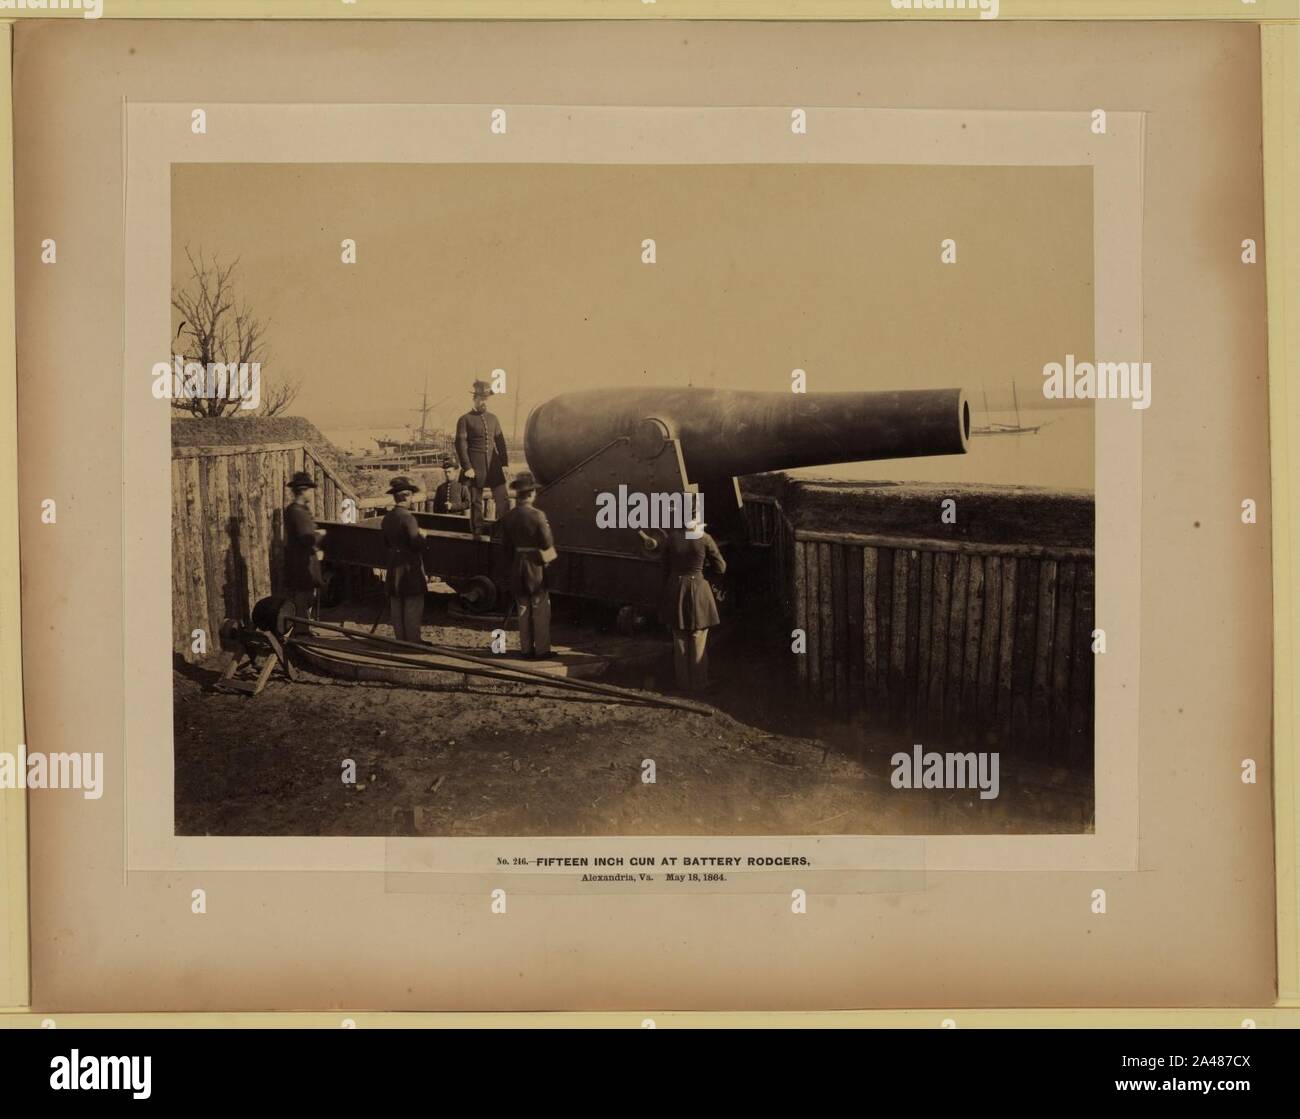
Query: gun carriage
column 659, row 442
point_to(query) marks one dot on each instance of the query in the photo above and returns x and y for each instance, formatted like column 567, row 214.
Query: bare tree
column 218, row 327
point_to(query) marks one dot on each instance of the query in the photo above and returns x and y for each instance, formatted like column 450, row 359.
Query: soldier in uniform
column 526, row 534
column 406, row 582
column 688, row 607
column 452, row 496
column 481, row 448
column 302, row 554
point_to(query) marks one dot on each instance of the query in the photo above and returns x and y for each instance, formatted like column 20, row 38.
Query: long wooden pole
column 496, row 666
column 577, row 688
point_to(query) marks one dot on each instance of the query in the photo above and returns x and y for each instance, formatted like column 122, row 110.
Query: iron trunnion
column 663, row 441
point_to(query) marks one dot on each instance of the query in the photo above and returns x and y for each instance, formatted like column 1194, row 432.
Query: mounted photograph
column 587, row 499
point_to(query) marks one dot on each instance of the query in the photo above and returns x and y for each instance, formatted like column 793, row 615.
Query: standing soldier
column 406, row 582
column 481, row 448
column 688, row 607
column 529, row 548
column 451, row 496
column 302, row 554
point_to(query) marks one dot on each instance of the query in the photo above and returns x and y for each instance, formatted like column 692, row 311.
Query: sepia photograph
column 649, row 522
column 615, row 472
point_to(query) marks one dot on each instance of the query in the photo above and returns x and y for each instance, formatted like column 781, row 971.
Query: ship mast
column 423, row 410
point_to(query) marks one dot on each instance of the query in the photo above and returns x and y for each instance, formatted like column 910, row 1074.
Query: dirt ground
column 487, row 758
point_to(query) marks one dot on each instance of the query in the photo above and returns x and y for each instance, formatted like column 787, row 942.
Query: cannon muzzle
column 724, row 433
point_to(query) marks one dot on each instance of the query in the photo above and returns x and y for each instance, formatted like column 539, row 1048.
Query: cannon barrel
column 724, row 433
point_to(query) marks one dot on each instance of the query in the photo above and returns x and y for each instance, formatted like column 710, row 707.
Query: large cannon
column 584, row 446
column 672, row 440
column 727, row 434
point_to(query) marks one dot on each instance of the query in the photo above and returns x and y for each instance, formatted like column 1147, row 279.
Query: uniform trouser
column 500, row 503
column 691, row 659
column 303, row 601
column 407, row 611
column 535, row 622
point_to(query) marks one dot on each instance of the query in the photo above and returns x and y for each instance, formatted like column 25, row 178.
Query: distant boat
column 1016, row 428
column 395, row 461
column 424, row 445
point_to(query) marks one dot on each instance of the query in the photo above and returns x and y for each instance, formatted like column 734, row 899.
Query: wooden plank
column 210, row 469
column 201, row 544
column 241, row 597
column 924, row 626
column 250, row 479
column 786, row 536
column 783, row 561
column 840, row 627
column 195, row 562
column 812, row 567
column 801, row 617
column 318, row 494
column 968, row 711
column 1006, row 649
column 270, row 495
column 853, row 615
column 956, row 644
column 268, row 499
column 884, row 624
column 279, row 496
column 180, row 576
column 218, row 523
column 293, row 463
column 898, row 637
column 254, row 527
column 1062, row 655
column 870, row 631
column 1082, row 671
column 1039, row 723
column 825, row 606
column 1022, row 674
column 943, row 562
column 911, row 653
column 986, row 703
column 180, row 582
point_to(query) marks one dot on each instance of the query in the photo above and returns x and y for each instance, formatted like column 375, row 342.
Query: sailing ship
column 422, row 438
column 423, row 446
column 995, row 428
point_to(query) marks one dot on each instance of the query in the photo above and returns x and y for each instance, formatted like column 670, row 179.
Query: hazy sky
column 462, row 268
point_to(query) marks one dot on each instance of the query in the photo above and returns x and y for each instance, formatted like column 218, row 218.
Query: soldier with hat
column 481, row 448
column 452, row 496
column 526, row 534
column 302, row 554
column 406, row 582
column 688, row 607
